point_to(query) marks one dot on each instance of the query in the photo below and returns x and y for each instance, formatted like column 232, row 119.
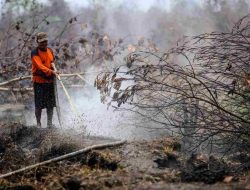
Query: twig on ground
column 63, row 157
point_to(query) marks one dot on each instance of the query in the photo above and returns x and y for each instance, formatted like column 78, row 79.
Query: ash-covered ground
column 142, row 164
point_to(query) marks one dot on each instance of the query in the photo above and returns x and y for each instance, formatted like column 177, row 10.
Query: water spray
column 72, row 105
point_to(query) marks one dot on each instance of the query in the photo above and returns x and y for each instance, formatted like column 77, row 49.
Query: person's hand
column 57, row 74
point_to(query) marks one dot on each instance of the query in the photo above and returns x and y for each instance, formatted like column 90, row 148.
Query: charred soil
column 152, row 164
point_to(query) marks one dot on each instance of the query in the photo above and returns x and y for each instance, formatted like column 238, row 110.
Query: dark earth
column 151, row 164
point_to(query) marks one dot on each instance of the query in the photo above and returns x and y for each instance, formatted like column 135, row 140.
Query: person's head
column 42, row 40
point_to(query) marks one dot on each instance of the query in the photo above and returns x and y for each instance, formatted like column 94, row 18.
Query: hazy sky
column 142, row 4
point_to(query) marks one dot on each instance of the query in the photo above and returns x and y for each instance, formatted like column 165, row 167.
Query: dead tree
column 200, row 87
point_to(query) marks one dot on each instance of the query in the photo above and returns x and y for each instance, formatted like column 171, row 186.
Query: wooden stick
column 84, row 79
column 63, row 157
column 25, row 89
column 15, row 89
column 14, row 80
column 29, row 77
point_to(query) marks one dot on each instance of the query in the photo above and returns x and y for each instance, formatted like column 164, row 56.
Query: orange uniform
column 41, row 65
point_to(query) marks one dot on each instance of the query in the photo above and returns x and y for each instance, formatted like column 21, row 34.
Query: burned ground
column 151, row 164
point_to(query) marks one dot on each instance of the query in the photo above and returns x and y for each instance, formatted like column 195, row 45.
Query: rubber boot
column 38, row 113
column 49, row 117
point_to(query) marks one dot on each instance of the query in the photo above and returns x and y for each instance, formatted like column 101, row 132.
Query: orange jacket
column 41, row 65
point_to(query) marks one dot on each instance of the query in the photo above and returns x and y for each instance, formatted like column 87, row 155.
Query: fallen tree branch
column 14, row 80
column 63, row 157
column 16, row 89
column 29, row 77
column 25, row 89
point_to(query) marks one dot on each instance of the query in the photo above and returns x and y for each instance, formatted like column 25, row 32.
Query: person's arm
column 55, row 71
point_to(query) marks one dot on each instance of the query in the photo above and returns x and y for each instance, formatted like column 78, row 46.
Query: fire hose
column 72, row 106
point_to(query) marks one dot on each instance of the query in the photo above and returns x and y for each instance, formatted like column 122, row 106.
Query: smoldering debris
column 200, row 168
column 170, row 160
column 131, row 165
column 99, row 160
column 197, row 167
column 30, row 145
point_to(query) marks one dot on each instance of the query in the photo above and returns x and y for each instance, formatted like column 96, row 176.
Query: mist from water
column 163, row 22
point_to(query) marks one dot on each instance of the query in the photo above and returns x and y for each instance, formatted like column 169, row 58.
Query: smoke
column 95, row 118
column 163, row 22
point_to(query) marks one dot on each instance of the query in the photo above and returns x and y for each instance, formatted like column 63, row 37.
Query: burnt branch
column 199, row 89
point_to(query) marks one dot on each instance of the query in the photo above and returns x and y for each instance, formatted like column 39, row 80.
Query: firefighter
column 43, row 76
